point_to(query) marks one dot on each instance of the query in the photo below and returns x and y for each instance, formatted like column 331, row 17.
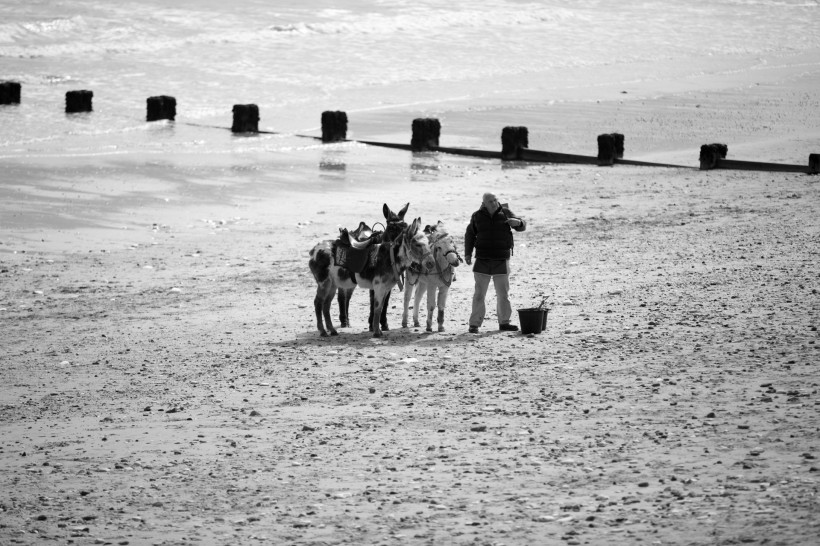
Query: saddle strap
column 399, row 274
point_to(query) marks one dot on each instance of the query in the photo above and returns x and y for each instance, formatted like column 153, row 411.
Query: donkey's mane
column 439, row 233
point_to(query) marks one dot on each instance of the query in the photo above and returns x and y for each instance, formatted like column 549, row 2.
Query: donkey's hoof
column 404, row 324
column 416, row 324
column 334, row 333
column 377, row 333
column 440, row 328
column 429, row 328
column 385, row 327
column 323, row 333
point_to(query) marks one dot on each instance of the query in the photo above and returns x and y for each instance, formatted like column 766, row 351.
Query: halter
column 442, row 272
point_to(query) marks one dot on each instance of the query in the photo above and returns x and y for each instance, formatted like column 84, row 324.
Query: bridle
column 446, row 272
column 451, row 251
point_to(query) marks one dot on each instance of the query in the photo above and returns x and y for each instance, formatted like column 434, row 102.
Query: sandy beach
column 163, row 379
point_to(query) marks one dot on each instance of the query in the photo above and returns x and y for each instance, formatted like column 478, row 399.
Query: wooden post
column 334, row 126
column 610, row 148
column 619, row 145
column 710, row 154
column 245, row 118
column 9, row 93
column 606, row 150
column 513, row 139
column 78, row 101
column 161, row 107
column 814, row 163
column 426, row 132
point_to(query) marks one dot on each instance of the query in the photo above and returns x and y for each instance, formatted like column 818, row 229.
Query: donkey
column 395, row 225
column 379, row 275
column 430, row 279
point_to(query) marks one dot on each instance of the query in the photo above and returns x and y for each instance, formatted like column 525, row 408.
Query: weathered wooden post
column 9, row 92
column 245, row 118
column 161, row 107
column 710, row 154
column 606, row 150
column 610, row 148
column 814, row 163
column 619, row 145
column 513, row 139
column 426, row 132
column 334, row 126
column 78, row 101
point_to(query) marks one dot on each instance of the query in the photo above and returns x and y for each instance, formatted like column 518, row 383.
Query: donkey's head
column 442, row 245
column 395, row 222
column 416, row 246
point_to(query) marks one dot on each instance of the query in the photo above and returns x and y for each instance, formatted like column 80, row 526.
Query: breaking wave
column 40, row 30
column 157, row 31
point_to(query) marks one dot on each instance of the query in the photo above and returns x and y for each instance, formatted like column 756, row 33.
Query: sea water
column 296, row 59
column 384, row 63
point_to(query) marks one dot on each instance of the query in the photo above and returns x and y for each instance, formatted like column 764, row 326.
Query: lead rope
column 399, row 275
column 442, row 271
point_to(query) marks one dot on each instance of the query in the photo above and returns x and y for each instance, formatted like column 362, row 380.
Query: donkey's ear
column 414, row 227
column 403, row 211
column 386, row 211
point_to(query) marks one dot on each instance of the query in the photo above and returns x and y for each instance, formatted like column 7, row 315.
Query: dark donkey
column 380, row 275
column 395, row 225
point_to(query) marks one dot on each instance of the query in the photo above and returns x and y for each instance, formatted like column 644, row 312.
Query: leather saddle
column 355, row 249
column 360, row 238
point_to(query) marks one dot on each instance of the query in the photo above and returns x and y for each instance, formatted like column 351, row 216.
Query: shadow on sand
column 360, row 338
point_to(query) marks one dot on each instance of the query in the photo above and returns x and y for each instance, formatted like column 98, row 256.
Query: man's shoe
column 473, row 329
column 507, row 327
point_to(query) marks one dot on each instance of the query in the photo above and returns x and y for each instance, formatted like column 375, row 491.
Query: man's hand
column 468, row 259
column 513, row 222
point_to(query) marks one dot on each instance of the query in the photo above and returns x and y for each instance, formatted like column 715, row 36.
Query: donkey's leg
column 343, row 298
column 408, row 294
column 379, row 292
column 383, row 315
column 326, row 312
column 321, row 305
column 431, row 305
column 442, row 301
column 422, row 287
column 340, row 299
column 370, row 316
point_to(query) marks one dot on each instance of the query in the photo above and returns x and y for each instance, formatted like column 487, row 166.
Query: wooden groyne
column 713, row 156
column 426, row 134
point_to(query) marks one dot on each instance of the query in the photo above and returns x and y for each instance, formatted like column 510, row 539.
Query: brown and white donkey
column 394, row 225
column 380, row 275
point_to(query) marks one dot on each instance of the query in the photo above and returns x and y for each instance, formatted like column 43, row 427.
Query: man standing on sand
column 490, row 234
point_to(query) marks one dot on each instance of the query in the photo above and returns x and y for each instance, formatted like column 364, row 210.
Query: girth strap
column 399, row 274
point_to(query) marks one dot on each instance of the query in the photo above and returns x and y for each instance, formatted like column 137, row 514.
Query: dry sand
column 165, row 384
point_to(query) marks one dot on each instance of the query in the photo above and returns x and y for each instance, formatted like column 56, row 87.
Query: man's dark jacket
column 491, row 236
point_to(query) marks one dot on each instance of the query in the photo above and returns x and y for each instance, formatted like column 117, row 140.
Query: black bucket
column 533, row 320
